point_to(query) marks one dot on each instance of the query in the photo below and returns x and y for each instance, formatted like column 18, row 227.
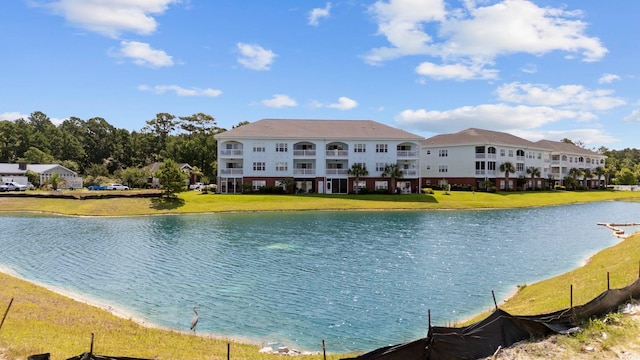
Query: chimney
column 22, row 166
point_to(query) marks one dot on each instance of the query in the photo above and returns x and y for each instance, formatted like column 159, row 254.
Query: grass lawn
column 43, row 321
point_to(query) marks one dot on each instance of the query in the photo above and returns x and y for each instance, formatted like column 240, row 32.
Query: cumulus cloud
column 455, row 71
column 608, row 78
column 255, row 57
column 318, row 13
column 180, row 91
column 12, row 116
column 566, row 96
column 142, row 54
column 112, row 18
column 633, row 117
column 344, row 103
column 593, row 137
column 478, row 34
column 279, row 101
column 497, row 117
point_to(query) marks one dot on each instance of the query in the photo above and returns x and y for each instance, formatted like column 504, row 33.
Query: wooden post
column 6, row 312
column 494, row 299
column 324, row 351
column 228, row 351
column 429, row 319
column 608, row 282
column 571, row 296
column 91, row 348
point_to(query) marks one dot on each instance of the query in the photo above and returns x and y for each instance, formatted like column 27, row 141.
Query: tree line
column 94, row 148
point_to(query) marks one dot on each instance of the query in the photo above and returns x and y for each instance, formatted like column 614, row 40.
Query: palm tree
column 534, row 172
column 599, row 171
column 587, row 175
column 55, row 180
column 507, row 168
column 573, row 174
column 358, row 170
column 393, row 172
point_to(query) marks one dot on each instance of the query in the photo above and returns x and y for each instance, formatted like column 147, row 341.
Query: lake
column 359, row 280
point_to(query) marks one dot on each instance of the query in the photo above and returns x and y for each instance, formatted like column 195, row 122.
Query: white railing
column 480, row 172
column 407, row 173
column 407, row 153
column 233, row 152
column 304, row 171
column 339, row 153
column 304, row 153
column 337, row 171
column 480, row 156
column 231, row 171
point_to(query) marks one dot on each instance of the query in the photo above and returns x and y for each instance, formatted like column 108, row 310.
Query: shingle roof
column 37, row 168
column 563, row 147
column 314, row 129
column 473, row 136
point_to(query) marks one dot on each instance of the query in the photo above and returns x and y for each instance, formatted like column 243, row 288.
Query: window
column 428, row 152
column 382, row 148
column 360, row 148
column 480, row 165
column 282, row 166
column 539, row 156
column 258, row 166
column 379, row 166
column 479, row 149
column 257, row 184
column 281, row 147
column 358, row 185
column 258, row 147
column 491, row 150
column 501, row 152
column 443, row 168
column 491, row 165
column 381, row 185
column 519, row 166
column 443, row 153
column 510, row 153
column 520, row 152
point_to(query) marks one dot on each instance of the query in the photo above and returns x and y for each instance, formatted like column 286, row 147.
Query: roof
column 37, row 168
column 318, row 129
column 473, row 136
column 153, row 167
column 563, row 147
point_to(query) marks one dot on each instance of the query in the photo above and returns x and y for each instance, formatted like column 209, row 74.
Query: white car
column 14, row 186
column 195, row 186
column 117, row 187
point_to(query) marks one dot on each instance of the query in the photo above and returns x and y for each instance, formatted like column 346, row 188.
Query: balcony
column 231, row 171
column 337, row 171
column 337, row 153
column 304, row 153
column 409, row 173
column 407, row 153
column 304, row 171
column 231, row 152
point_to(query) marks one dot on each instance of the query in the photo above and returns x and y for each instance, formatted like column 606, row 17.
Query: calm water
column 358, row 280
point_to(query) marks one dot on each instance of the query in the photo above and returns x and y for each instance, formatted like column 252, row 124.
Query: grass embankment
column 195, row 202
column 43, row 321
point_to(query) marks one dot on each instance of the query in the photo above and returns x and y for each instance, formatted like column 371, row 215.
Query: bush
column 427, row 191
column 559, row 187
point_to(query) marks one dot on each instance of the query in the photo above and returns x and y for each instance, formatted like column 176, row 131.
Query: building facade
column 316, row 155
column 566, row 156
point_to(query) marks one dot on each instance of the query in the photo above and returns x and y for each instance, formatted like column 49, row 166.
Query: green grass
column 43, row 321
column 196, row 202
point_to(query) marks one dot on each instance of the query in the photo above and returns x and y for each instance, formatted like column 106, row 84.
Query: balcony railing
column 231, row 171
column 409, row 173
column 231, row 152
column 337, row 171
column 304, row 171
column 304, row 153
column 407, row 153
column 337, row 153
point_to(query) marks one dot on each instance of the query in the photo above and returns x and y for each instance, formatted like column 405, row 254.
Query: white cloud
column 255, row 57
column 344, row 103
column 565, row 96
column 455, row 71
column 142, row 54
column 12, row 116
column 608, row 78
column 111, row 18
column 478, row 34
column 497, row 117
column 633, row 117
column 530, row 69
column 318, row 13
column 279, row 101
column 180, row 91
column 593, row 137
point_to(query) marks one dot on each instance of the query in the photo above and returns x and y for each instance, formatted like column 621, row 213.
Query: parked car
column 117, row 187
column 14, row 186
column 196, row 186
column 97, row 187
column 3, row 188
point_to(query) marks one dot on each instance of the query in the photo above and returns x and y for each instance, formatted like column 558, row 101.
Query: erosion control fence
column 501, row 330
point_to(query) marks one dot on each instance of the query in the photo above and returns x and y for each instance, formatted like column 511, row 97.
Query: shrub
column 427, row 191
column 559, row 187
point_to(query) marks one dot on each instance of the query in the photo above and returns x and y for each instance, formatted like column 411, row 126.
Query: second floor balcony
column 231, row 152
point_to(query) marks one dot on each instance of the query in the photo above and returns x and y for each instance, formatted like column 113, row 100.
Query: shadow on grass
column 166, row 203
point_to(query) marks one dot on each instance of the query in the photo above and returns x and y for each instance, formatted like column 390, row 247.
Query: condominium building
column 475, row 158
column 317, row 155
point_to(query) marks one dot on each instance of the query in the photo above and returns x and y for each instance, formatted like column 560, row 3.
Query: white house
column 17, row 172
column 317, row 154
column 566, row 156
column 473, row 158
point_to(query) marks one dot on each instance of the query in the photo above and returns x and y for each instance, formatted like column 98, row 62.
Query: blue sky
column 536, row 69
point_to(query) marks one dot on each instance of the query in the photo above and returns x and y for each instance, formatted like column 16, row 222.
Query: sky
column 538, row 69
